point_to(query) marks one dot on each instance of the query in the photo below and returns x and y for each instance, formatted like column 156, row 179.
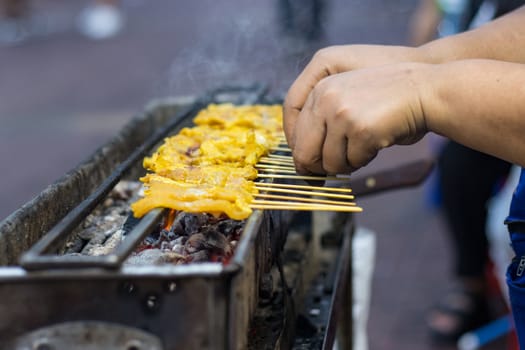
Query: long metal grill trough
column 193, row 306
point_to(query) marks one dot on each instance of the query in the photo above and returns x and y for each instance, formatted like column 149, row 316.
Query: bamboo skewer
column 295, row 204
column 306, row 187
column 276, row 162
column 276, row 171
column 274, row 167
column 319, row 207
column 279, row 156
column 301, row 199
column 307, row 193
column 303, row 177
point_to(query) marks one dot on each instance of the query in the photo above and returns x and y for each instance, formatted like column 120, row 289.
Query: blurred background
column 73, row 73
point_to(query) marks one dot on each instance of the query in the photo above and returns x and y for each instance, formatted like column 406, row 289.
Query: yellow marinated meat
column 217, row 175
column 210, row 167
column 226, row 116
column 232, row 200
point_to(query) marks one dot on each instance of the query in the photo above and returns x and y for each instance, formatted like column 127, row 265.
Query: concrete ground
column 62, row 96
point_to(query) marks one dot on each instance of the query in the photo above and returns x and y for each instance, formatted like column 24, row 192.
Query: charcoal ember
column 230, row 227
column 195, row 243
column 209, row 240
column 200, row 256
column 188, row 223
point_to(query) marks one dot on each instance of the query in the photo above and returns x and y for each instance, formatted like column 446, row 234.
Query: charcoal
column 195, row 243
column 229, row 227
column 216, row 242
column 193, row 222
column 200, row 256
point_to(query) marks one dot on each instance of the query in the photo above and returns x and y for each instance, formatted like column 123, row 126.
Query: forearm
column 481, row 104
column 502, row 39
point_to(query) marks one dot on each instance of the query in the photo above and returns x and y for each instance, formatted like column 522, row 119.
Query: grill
column 283, row 287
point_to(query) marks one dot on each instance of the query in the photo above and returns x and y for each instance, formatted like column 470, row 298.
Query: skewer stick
column 300, row 199
column 296, row 204
column 276, row 161
column 275, row 167
column 307, row 193
column 281, row 149
column 280, row 156
column 319, row 207
column 303, row 177
column 306, row 187
column 276, row 171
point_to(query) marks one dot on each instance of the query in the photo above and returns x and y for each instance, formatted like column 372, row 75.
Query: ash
column 182, row 237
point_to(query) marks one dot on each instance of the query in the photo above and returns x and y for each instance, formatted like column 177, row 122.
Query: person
column 466, row 182
column 352, row 101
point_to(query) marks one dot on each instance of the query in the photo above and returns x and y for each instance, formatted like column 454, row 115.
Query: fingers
column 307, row 150
column 317, row 69
column 335, row 148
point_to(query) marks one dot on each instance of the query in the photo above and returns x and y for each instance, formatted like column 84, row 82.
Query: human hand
column 348, row 117
column 338, row 59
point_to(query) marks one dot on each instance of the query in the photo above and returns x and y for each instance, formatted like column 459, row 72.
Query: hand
column 348, row 117
column 339, row 59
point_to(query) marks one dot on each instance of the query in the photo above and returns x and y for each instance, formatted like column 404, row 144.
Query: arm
column 351, row 116
column 348, row 115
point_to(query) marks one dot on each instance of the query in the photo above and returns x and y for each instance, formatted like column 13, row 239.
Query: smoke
column 245, row 48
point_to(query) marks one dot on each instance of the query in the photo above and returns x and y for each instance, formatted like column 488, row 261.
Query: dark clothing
column 516, row 270
column 468, row 179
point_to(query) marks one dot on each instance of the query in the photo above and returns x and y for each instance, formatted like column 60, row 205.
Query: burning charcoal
column 192, row 223
column 209, row 240
column 217, row 242
column 200, row 256
column 195, row 242
column 229, row 227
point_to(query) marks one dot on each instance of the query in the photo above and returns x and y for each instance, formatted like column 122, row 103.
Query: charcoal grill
column 51, row 301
